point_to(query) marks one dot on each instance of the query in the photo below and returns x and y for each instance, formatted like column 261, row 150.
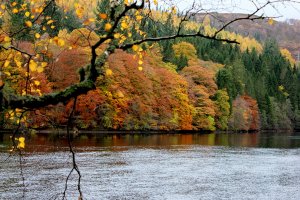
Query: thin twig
column 74, row 164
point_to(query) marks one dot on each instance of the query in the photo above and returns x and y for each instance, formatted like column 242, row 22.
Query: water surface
column 179, row 166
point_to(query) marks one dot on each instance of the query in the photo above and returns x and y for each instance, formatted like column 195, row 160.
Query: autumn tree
column 117, row 22
column 245, row 114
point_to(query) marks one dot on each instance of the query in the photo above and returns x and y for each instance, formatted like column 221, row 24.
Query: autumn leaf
column 79, row 11
column 15, row 11
column 40, row 69
column 50, row 22
column 28, row 24
column 103, row 16
column 27, row 14
column 7, row 39
column 21, row 144
column 107, row 27
column 135, row 48
column 37, row 83
column 271, row 21
column 37, row 35
column 108, row 72
column 117, row 35
column 124, row 25
column 33, row 65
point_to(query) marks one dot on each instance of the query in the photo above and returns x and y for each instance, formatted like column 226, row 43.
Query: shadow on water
column 46, row 142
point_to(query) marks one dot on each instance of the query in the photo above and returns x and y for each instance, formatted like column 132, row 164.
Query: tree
column 117, row 20
column 222, row 109
column 245, row 114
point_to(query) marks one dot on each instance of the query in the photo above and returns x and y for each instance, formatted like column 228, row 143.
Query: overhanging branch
column 15, row 101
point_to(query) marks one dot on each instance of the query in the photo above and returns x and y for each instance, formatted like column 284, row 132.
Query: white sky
column 287, row 10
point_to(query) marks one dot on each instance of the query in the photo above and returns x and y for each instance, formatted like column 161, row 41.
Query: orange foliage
column 155, row 98
column 202, row 88
column 63, row 71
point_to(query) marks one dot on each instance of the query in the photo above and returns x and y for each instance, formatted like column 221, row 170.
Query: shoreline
column 140, row 132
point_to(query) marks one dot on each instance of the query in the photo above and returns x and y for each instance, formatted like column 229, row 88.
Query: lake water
column 161, row 166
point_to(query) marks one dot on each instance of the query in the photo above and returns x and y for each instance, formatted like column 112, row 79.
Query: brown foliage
column 202, row 88
column 245, row 114
column 63, row 71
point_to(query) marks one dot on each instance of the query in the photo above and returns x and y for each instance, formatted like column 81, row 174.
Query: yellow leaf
column 28, row 23
column 40, row 69
column 140, row 62
column 61, row 42
column 39, row 10
column 15, row 10
column 33, row 65
column 6, row 64
column 117, row 35
column 21, row 139
column 52, row 27
column 103, row 16
column 37, row 83
column 140, row 68
column 7, row 39
column 50, row 22
column 3, row 6
column 108, row 72
column 39, row 92
column 135, row 48
column 44, row 64
column 24, row 5
column 7, row 73
column 79, row 12
column 21, row 144
column 271, row 21
column 107, row 27
column 18, row 63
column 14, row 4
column 27, row 14
column 139, row 17
column 37, row 35
column 124, row 25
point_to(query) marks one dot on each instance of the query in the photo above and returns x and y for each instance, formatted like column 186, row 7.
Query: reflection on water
column 262, row 140
column 161, row 166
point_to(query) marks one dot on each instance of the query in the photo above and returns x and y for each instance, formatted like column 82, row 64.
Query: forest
column 185, row 83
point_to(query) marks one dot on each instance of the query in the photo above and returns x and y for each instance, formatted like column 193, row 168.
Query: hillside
column 286, row 33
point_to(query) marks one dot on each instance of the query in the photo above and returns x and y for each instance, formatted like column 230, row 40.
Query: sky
column 281, row 11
